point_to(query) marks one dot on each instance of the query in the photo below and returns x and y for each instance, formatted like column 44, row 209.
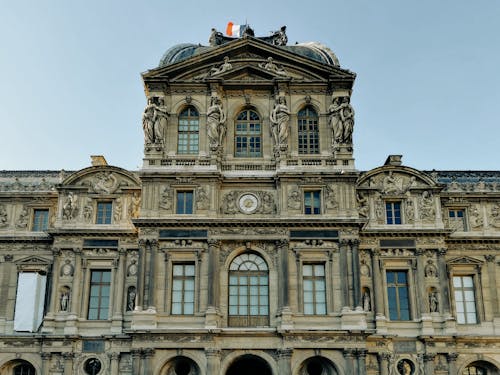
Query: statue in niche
column 22, row 221
column 366, row 300
column 216, row 38
column 216, row 128
column 364, row 269
column 294, row 200
column 132, row 268
column 70, row 206
column 229, row 203
column 131, row 294
column 280, row 117
column 105, row 183
column 379, row 209
column 268, row 206
column 202, row 200
column 64, row 299
column 409, row 211
column 430, row 269
column 427, row 209
column 118, row 209
column 433, row 302
column 154, row 120
column 224, row 67
column 67, row 269
column 88, row 211
column 330, row 198
column 4, row 218
column 363, row 208
column 494, row 219
column 279, row 37
column 166, row 198
column 272, row 67
column 476, row 219
column 405, row 367
column 135, row 205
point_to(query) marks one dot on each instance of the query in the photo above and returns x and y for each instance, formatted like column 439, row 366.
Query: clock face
column 248, row 203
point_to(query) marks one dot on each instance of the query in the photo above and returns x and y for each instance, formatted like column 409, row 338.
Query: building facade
column 248, row 242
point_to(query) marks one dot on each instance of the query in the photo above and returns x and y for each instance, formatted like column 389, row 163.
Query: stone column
column 356, row 280
column 136, row 361
column 213, row 361
column 151, row 272
column 344, row 282
column 361, row 354
column 147, row 355
column 46, row 363
column 284, row 288
column 420, row 284
column 350, row 363
column 443, row 282
column 284, row 361
column 490, row 259
column 68, row 363
column 78, row 283
column 54, row 293
column 213, row 273
column 113, row 363
column 429, row 363
column 141, row 281
column 383, row 361
column 452, row 363
column 120, row 273
column 378, row 291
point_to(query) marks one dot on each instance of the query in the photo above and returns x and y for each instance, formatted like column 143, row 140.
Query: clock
column 248, row 203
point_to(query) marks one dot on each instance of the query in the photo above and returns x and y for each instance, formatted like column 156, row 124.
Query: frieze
column 248, row 231
column 28, row 186
column 397, row 252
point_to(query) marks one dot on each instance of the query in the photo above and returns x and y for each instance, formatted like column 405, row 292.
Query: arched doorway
column 181, row 366
column 480, row 368
column 249, row 365
column 318, row 366
column 18, row 367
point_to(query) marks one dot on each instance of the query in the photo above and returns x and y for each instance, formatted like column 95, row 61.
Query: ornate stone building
column 248, row 242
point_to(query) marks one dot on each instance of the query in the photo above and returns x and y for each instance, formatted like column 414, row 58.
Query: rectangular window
column 465, row 301
column 184, row 202
column 248, row 140
column 100, row 286
column 104, row 212
column 314, row 289
column 183, row 289
column 30, row 300
column 397, row 295
column 312, row 202
column 188, row 136
column 393, row 212
column 40, row 220
column 456, row 219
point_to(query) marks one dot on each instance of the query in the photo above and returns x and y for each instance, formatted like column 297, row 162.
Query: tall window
column 456, row 219
column 248, row 135
column 308, row 131
column 312, row 202
column 24, row 369
column 397, row 295
column 184, row 202
column 183, row 289
column 465, row 301
column 188, row 131
column 104, row 212
column 248, row 291
column 40, row 220
column 393, row 212
column 314, row 289
column 100, row 285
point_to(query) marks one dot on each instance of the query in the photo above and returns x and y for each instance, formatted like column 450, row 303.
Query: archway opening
column 249, row 365
column 180, row 366
column 318, row 366
column 480, row 368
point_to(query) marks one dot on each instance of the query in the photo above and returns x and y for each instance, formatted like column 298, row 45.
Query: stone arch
column 180, row 365
column 234, row 110
column 181, row 105
column 302, row 104
column 491, row 367
column 317, row 365
column 251, row 249
column 256, row 362
column 7, row 367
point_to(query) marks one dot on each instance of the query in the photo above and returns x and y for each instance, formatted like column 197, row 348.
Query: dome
column 181, row 52
column 314, row 51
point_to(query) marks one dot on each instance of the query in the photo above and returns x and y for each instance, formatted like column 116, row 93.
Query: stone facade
column 248, row 242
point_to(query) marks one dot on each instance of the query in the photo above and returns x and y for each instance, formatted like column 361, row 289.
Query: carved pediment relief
column 395, row 181
column 103, row 180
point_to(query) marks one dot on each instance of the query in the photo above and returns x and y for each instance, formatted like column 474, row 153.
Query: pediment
column 395, row 180
column 33, row 263
column 242, row 53
column 102, row 179
column 465, row 260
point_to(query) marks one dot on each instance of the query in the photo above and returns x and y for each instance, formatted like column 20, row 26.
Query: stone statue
column 430, row 269
column 70, row 206
column 341, row 120
column 166, row 198
column 131, row 294
column 433, row 302
column 494, row 217
column 268, row 206
column 118, row 209
column 64, row 300
column 22, row 221
column 391, row 184
column 153, row 121
column 279, row 38
column 294, row 200
column 409, row 211
column 216, row 38
column 347, row 114
column 427, row 209
column 4, row 218
column 476, row 219
column 280, row 117
column 330, row 197
column 132, row 268
column 88, row 211
column 216, row 128
column 105, row 183
column 135, row 205
column 226, row 65
column 366, row 301
column 229, row 203
column 202, row 200
column 363, row 207
column 272, row 67
column 67, row 269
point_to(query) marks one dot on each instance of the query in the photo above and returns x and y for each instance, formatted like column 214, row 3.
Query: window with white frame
column 314, row 287
column 183, row 277
column 465, row 299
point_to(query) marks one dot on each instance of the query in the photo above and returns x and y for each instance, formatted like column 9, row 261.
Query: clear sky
column 427, row 87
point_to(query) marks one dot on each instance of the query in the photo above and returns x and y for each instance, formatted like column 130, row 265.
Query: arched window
column 24, row 369
column 248, row 291
column 308, row 131
column 188, row 131
column 248, row 135
column 474, row 370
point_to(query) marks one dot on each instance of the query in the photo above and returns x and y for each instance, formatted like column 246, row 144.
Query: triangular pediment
column 241, row 54
column 465, row 260
column 33, row 263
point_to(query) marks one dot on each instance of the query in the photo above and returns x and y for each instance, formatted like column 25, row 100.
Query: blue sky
column 427, row 86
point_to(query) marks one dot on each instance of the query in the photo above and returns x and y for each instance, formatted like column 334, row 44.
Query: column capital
column 489, row 258
column 136, row 353
column 361, row 353
column 212, row 242
column 282, row 242
column 429, row 357
column 114, row 356
column 451, row 357
column 384, row 356
column 419, row 251
column 442, row 251
column 349, row 353
column 46, row 356
column 147, row 352
column 354, row 242
column 284, row 353
column 213, row 352
column 68, row 355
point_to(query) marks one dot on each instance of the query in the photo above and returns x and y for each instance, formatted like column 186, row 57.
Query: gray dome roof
column 311, row 50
